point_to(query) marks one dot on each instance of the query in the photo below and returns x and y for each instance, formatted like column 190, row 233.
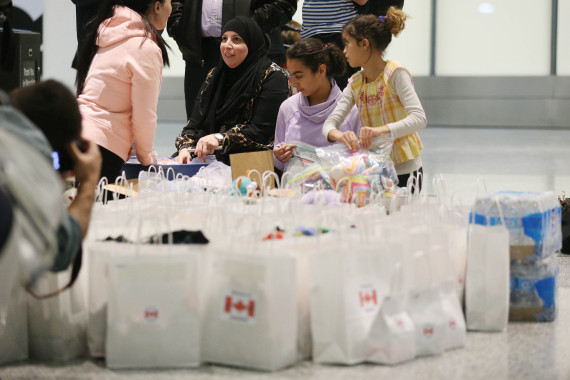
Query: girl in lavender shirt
column 312, row 65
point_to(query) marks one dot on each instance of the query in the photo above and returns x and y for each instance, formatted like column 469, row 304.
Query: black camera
column 62, row 160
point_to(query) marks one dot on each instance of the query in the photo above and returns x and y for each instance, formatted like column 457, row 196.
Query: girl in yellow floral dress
column 383, row 92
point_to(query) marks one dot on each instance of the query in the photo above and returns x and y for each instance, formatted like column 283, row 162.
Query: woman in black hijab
column 237, row 106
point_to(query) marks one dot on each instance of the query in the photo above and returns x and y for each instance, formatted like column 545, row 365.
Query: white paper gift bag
column 456, row 331
column 426, row 310
column 300, row 250
column 392, row 337
column 304, row 338
column 445, row 276
column 250, row 317
column 487, row 286
column 13, row 306
column 458, row 255
column 346, row 294
column 97, row 255
column 57, row 325
column 153, row 309
column 453, row 240
column 14, row 327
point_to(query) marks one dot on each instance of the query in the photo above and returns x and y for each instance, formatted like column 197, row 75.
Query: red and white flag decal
column 239, row 306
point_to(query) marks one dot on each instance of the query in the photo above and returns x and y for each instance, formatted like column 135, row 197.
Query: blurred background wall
column 495, row 63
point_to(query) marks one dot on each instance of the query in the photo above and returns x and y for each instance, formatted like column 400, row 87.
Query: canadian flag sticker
column 239, row 306
column 428, row 330
column 151, row 314
column 367, row 298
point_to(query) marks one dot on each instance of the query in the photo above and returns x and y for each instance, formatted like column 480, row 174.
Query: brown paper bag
column 260, row 161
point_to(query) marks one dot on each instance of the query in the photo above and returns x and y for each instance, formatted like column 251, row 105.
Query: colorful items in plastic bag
column 354, row 190
column 313, row 177
column 304, row 172
column 356, row 175
column 244, row 186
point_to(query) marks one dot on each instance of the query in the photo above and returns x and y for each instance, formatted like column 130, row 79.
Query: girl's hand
column 348, row 138
column 367, row 134
column 284, row 151
column 183, row 157
column 206, row 146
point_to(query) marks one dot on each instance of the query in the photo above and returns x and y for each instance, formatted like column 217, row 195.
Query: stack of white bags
column 376, row 288
column 344, row 285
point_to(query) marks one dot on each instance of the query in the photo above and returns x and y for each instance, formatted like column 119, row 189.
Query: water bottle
column 533, row 289
column 523, row 292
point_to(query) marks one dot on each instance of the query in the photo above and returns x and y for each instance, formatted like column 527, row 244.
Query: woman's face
column 303, row 79
column 233, row 49
column 159, row 13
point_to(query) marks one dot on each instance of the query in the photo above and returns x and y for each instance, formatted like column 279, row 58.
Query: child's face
column 353, row 51
column 303, row 79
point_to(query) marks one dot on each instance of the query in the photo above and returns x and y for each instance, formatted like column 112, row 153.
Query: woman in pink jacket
column 119, row 75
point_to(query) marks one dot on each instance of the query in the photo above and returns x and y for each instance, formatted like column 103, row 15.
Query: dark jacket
column 184, row 23
column 379, row 7
column 254, row 128
column 85, row 2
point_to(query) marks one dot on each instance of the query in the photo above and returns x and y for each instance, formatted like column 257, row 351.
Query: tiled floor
column 512, row 159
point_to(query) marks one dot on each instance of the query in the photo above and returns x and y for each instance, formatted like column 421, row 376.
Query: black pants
column 111, row 165
column 403, row 180
column 196, row 72
column 337, row 39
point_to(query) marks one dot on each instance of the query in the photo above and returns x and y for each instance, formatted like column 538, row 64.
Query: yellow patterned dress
column 378, row 104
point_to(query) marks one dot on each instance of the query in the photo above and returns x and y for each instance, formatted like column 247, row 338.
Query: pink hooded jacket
column 120, row 96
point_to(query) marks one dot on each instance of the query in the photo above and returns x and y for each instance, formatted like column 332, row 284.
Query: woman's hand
column 367, row 134
column 206, row 146
column 284, row 151
column 348, row 138
column 183, row 157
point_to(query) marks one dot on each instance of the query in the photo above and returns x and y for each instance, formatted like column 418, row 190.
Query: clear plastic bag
column 216, row 176
column 533, row 220
column 304, row 171
column 357, row 174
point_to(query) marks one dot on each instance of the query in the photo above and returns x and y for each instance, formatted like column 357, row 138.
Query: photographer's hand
column 86, row 161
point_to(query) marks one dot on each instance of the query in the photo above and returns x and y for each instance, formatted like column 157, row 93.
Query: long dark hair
column 313, row 53
column 88, row 47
